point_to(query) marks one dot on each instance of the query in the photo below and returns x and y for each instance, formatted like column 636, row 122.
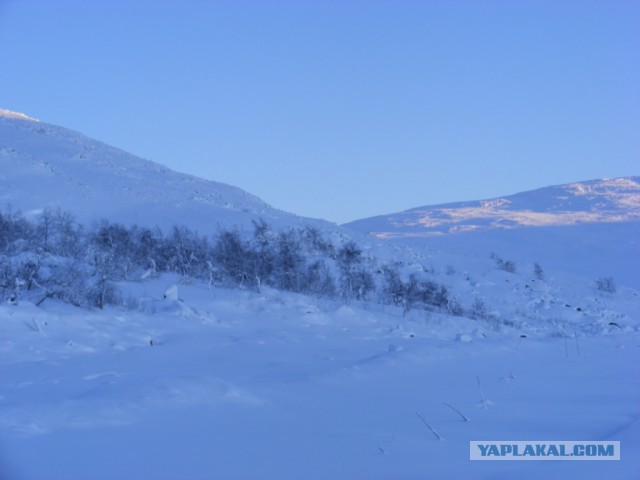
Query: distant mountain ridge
column 594, row 201
column 589, row 228
column 46, row 166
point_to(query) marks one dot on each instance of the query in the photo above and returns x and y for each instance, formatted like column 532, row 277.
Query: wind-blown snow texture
column 208, row 383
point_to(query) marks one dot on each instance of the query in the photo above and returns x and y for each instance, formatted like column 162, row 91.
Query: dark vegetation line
column 55, row 257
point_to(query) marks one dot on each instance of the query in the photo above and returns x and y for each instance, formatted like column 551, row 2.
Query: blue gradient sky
column 340, row 109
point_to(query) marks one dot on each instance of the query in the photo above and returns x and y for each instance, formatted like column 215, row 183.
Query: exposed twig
column 429, row 426
column 47, row 295
column 484, row 401
column 464, row 419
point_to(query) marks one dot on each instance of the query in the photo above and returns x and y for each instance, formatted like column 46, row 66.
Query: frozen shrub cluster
column 606, row 284
column 54, row 257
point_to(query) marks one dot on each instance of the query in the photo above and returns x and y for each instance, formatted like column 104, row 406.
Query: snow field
column 237, row 384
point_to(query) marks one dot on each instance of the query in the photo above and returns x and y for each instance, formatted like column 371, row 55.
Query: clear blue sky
column 340, row 109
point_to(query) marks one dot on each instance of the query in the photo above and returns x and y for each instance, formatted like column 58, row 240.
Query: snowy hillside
column 45, row 166
column 292, row 350
column 590, row 228
column 597, row 201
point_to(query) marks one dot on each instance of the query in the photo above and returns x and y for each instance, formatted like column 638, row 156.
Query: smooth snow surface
column 233, row 384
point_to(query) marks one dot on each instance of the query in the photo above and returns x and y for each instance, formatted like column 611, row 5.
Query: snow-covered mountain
column 307, row 385
column 588, row 228
column 596, row 201
column 46, row 166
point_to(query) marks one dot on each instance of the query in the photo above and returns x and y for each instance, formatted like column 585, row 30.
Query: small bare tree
column 606, row 284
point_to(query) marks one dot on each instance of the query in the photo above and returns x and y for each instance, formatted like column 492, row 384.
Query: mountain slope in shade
column 45, row 166
column 596, row 201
